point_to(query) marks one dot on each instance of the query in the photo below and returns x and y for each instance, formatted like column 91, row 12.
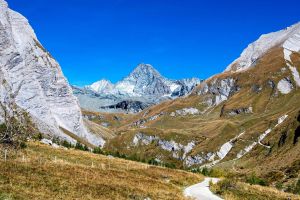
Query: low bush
column 297, row 187
column 254, row 180
column 211, row 172
column 67, row 144
column 224, row 185
column 82, row 147
column 98, row 150
column 294, row 188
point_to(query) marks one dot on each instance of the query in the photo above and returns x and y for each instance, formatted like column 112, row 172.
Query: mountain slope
column 57, row 173
column 244, row 120
column 143, row 87
column 32, row 82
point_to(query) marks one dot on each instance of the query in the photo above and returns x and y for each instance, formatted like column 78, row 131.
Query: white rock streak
column 223, row 151
column 260, row 138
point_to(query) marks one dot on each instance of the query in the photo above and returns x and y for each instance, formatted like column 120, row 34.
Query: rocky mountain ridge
column 143, row 86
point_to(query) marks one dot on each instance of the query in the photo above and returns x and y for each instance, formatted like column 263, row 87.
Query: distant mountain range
column 143, row 87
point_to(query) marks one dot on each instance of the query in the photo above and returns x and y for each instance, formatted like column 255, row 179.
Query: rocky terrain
column 144, row 87
column 32, row 83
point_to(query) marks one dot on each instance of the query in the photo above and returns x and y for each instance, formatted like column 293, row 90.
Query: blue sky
column 95, row 39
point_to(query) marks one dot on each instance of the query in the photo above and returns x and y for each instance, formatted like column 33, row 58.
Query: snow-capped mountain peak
column 145, row 80
column 101, row 86
column 286, row 38
column 143, row 70
column 144, row 84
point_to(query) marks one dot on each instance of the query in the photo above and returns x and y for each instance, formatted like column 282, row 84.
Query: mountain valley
column 149, row 137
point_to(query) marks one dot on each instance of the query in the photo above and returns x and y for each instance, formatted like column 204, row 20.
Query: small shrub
column 205, row 171
column 279, row 186
column 67, row 144
column 170, row 165
column 297, row 187
column 152, row 161
column 2, row 128
column 224, row 185
column 296, row 135
column 216, row 172
column 81, row 147
column 56, row 140
column 254, row 180
column 23, row 145
column 210, row 183
column 98, row 150
column 37, row 136
column 85, row 148
column 282, row 139
column 289, row 189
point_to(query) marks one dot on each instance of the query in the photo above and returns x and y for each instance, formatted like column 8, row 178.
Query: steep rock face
column 185, row 86
column 219, row 89
column 33, row 80
column 145, row 80
column 144, row 84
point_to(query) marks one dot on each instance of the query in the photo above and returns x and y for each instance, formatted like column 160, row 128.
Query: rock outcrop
column 219, row 90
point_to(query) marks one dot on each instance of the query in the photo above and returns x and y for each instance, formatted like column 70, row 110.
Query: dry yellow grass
column 41, row 172
column 244, row 191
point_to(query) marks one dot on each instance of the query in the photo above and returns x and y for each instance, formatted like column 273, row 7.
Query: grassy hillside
column 41, row 172
column 233, row 190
